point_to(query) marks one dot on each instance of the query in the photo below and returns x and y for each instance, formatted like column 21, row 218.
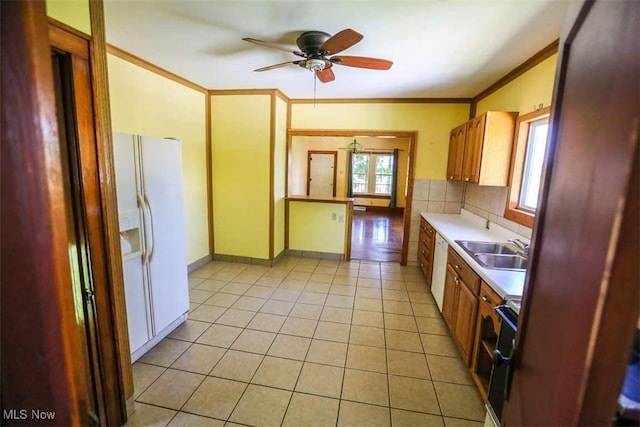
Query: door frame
column 411, row 136
column 335, row 165
column 106, row 368
column 38, row 310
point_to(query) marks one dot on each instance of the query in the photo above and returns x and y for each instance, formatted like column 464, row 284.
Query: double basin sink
column 498, row 256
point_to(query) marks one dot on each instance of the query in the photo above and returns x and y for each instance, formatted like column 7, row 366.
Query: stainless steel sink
column 499, row 256
column 487, row 247
column 502, row 262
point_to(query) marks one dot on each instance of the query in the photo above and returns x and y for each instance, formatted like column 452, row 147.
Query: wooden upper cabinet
column 456, row 152
column 486, row 149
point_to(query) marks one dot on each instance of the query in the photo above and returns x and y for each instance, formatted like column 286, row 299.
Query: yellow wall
column 279, row 169
column 145, row 103
column 300, row 146
column 74, row 13
column 525, row 93
column 311, row 227
column 433, row 122
column 240, row 137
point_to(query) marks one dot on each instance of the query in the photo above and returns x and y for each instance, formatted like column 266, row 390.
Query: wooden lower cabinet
column 487, row 329
column 426, row 247
column 460, row 304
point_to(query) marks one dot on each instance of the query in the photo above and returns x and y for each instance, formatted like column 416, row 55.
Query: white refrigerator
column 152, row 236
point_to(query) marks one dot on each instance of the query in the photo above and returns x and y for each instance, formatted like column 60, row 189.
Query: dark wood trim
column 538, row 57
column 67, row 29
column 409, row 199
column 335, row 167
column 117, row 52
column 272, row 161
column 350, row 132
column 40, row 339
column 318, row 199
column 516, row 168
column 209, row 154
column 115, row 348
column 73, row 44
column 370, row 196
column 349, row 226
column 383, row 101
column 246, row 92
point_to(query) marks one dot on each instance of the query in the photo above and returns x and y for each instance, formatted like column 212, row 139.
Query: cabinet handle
column 455, row 279
column 457, row 267
column 484, row 298
column 466, row 178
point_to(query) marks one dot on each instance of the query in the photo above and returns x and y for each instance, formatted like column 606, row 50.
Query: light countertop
column 467, row 226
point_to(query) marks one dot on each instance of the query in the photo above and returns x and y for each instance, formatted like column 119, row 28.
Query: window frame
column 371, row 183
column 513, row 210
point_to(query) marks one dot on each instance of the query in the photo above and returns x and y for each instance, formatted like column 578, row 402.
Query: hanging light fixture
column 354, row 147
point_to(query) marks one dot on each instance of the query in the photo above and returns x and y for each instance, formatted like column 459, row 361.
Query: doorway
column 321, row 173
column 380, row 227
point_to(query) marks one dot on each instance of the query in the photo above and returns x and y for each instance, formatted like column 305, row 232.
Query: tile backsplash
column 489, row 202
column 441, row 196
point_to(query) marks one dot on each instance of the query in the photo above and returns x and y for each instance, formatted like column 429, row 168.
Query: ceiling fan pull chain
column 315, row 83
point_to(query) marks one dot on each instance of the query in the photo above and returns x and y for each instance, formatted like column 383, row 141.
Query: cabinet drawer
column 489, row 296
column 467, row 274
column 427, row 234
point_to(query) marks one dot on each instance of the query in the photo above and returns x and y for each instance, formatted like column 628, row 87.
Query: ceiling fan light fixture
column 315, row 64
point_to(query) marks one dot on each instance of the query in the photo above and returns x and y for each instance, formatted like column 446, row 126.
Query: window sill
column 521, row 217
column 371, row 196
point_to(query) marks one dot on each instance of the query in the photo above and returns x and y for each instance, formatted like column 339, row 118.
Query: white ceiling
column 440, row 48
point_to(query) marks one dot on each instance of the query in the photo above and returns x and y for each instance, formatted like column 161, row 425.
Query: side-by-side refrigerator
column 152, row 237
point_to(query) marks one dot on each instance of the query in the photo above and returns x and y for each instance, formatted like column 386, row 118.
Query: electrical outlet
column 334, row 216
column 341, row 218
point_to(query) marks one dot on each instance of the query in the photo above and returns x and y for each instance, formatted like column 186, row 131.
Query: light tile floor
column 307, row 342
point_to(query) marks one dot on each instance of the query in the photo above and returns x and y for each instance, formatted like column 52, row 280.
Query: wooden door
column 581, row 299
column 456, row 152
column 40, row 339
column 321, row 173
column 473, row 149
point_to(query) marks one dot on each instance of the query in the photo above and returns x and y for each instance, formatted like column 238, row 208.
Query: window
column 526, row 166
column 372, row 173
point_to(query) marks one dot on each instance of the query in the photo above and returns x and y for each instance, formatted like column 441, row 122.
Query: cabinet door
column 473, row 149
column 456, row 152
column 465, row 326
column 449, row 300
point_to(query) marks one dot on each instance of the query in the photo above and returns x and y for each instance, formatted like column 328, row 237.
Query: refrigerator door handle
column 146, row 199
column 142, row 207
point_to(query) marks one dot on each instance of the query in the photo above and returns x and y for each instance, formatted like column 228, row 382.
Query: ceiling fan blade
column 340, row 41
column 271, row 67
column 273, row 46
column 326, row 75
column 362, row 62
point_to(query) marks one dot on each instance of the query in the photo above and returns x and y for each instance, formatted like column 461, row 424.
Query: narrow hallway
column 376, row 236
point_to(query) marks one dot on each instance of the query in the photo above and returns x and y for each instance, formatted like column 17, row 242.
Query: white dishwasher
column 439, row 269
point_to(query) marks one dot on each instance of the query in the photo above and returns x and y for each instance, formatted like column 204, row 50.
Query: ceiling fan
column 317, row 48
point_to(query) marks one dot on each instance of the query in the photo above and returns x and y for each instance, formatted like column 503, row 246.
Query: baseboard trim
column 314, row 254
column 199, row 263
column 248, row 260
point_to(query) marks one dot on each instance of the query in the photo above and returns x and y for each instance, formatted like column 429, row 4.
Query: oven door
column 501, row 373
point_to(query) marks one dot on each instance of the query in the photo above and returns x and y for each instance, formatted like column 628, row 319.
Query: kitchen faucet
column 523, row 246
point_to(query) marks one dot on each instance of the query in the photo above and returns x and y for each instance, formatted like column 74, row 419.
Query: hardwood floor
column 376, row 236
